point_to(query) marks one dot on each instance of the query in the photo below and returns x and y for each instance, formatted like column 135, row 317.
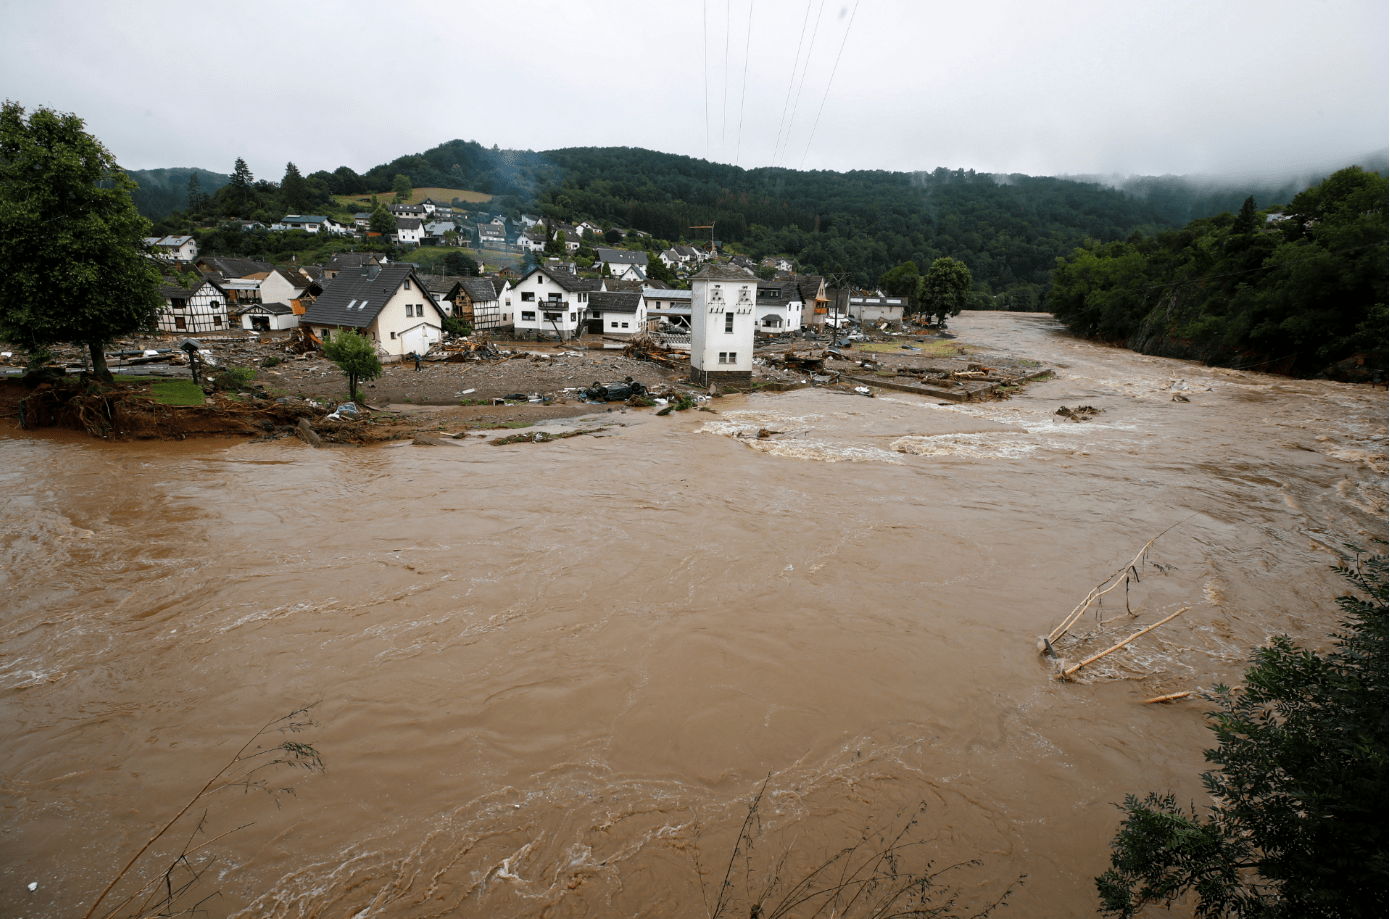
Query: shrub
column 233, row 378
column 1298, row 827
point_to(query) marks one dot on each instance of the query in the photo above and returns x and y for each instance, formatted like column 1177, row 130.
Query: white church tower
column 723, row 304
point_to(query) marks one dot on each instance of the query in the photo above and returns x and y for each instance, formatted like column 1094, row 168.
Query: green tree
column 1298, row 828
column 382, row 221
column 196, row 198
column 459, row 263
column 400, row 185
column 294, row 191
column 900, row 281
column 1246, row 220
column 73, row 263
column 612, row 236
column 944, row 289
column 243, row 193
column 355, row 355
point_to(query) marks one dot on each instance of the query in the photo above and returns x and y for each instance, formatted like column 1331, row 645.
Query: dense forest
column 159, row 192
column 1300, row 289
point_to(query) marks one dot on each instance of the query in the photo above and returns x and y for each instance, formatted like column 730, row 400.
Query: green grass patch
column 178, row 392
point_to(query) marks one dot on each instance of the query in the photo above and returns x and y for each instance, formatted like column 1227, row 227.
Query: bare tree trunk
column 99, row 368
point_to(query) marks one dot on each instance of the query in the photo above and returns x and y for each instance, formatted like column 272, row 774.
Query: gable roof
column 232, row 267
column 715, row 271
column 273, row 309
column 355, row 299
column 622, row 256
column 346, row 261
column 409, row 223
column 479, row 290
column 295, row 279
column 615, row 301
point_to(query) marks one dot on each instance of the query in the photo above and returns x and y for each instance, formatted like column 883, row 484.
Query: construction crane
column 711, row 234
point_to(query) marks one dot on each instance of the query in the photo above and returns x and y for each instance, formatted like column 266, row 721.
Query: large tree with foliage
column 294, row 190
column 382, row 221
column 944, row 289
column 243, row 192
column 1298, row 827
column 355, row 354
column 73, row 263
column 401, row 186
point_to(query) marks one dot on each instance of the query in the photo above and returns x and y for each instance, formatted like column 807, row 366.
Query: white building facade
column 722, row 321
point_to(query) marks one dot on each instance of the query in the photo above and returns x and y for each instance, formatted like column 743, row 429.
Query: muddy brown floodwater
column 551, row 676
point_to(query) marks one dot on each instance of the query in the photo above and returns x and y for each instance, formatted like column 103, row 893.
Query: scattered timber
column 1066, row 674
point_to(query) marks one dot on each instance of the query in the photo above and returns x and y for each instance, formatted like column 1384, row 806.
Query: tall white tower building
column 723, row 306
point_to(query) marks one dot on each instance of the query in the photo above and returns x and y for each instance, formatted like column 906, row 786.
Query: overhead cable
column 849, row 26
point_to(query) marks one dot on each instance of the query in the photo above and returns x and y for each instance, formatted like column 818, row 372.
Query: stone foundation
column 724, row 379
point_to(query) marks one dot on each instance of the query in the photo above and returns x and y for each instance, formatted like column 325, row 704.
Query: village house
column 409, row 231
column 222, row 268
column 618, row 261
column 197, row 309
column 531, row 240
column 391, row 305
column 309, row 223
column 551, row 302
column 722, row 319
column 477, row 301
column 491, row 236
column 616, row 313
column 283, row 286
column 352, row 261
column 779, row 306
column 877, row 309
column 407, row 210
column 814, row 300
column 181, row 249
column 362, row 220
column 269, row 317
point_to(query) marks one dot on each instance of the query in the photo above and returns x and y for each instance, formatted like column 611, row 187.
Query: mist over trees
column 1301, row 290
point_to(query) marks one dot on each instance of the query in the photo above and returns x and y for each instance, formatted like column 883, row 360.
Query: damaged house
column 390, row 305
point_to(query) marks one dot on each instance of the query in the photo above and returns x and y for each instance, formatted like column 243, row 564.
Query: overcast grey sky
column 1084, row 86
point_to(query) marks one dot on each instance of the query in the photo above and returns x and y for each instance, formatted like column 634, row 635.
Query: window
column 179, row 323
column 393, row 334
column 571, row 317
column 407, row 284
column 217, row 322
column 723, row 357
column 728, row 323
column 624, row 325
column 526, row 297
column 733, row 357
column 612, row 325
column 528, row 315
column 554, row 317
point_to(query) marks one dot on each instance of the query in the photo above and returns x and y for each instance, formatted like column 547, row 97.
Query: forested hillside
column 1304, row 293
column 1009, row 230
column 161, row 191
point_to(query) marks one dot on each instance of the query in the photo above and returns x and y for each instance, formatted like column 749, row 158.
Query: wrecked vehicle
column 615, row 392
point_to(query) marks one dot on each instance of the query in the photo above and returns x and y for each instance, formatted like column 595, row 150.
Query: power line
column 747, row 43
column 827, row 85
column 704, row 26
column 724, row 118
column 802, row 85
column 791, row 82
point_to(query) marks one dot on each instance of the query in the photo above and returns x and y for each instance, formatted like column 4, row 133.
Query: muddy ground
column 537, row 382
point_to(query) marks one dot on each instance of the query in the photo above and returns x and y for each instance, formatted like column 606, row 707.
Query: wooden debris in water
column 1066, row 674
column 1171, row 697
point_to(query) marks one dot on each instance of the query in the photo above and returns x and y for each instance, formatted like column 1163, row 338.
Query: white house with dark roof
column 548, row 302
column 722, row 314
column 391, row 305
column 779, row 306
column 268, row 317
column 200, row 308
column 283, row 285
column 309, row 223
column 877, row 309
column 491, row 236
column 617, row 313
column 619, row 260
column 410, row 230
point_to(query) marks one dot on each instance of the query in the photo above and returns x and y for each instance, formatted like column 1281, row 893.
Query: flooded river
column 550, row 677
